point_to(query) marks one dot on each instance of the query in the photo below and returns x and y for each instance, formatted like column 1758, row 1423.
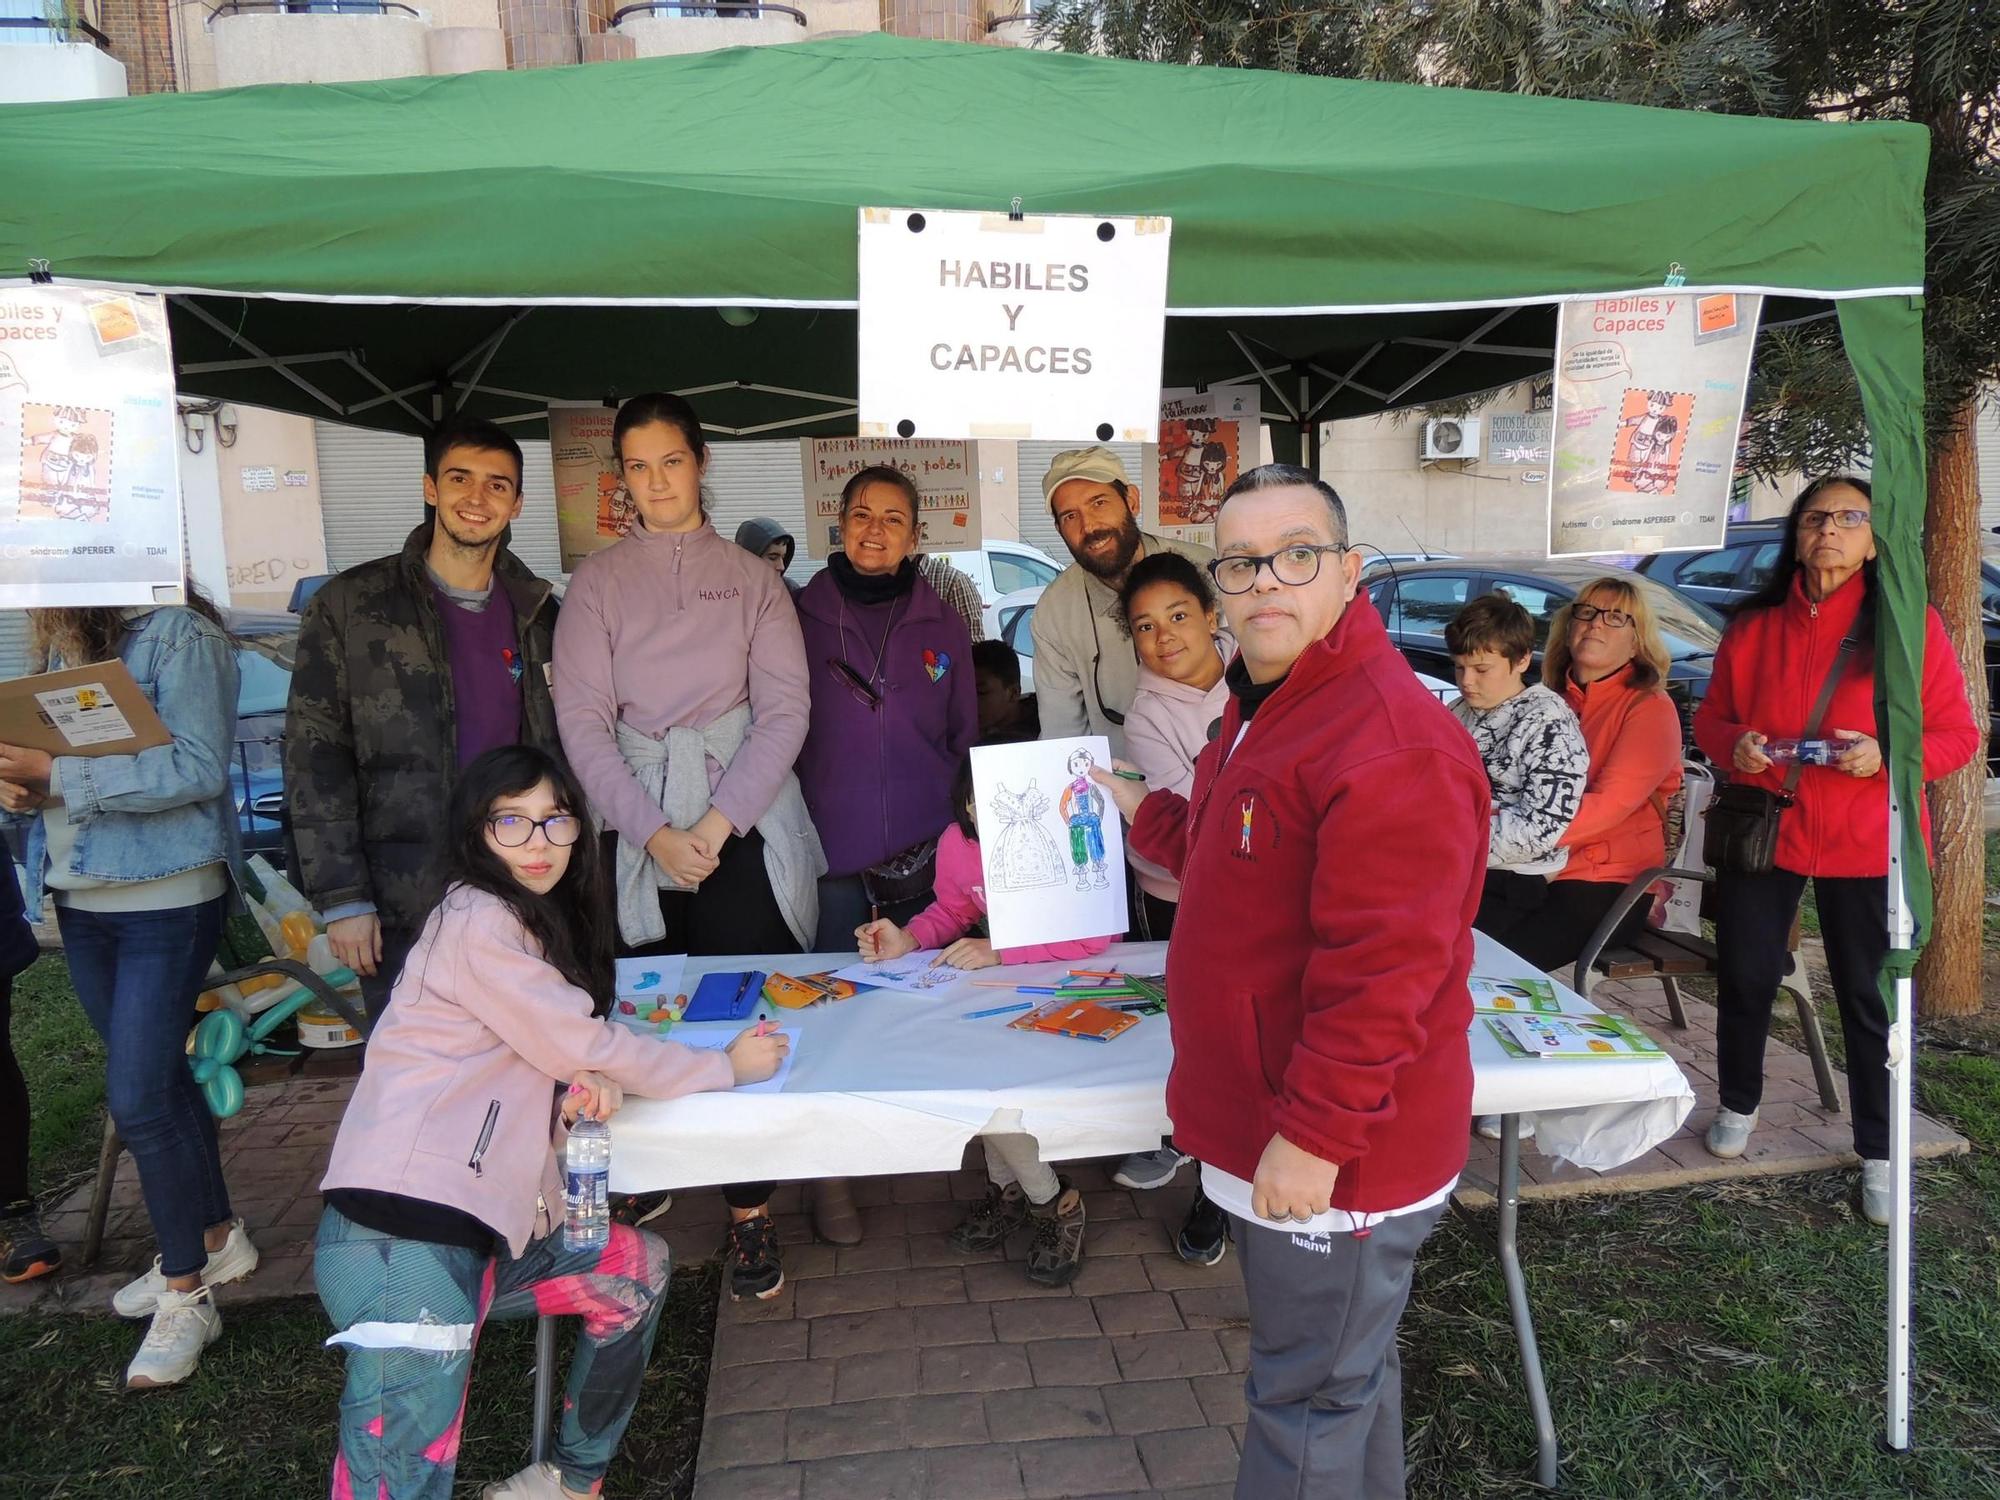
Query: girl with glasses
column 444, row 1195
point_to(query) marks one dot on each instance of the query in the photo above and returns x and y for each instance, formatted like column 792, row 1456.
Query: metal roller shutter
column 760, row 479
column 1986, row 436
column 13, row 643
column 371, row 494
column 1038, row 529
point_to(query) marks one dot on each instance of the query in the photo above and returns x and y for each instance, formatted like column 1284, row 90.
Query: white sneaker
column 1730, row 1133
column 184, row 1324
column 236, row 1259
column 1144, row 1170
column 1874, row 1191
column 542, row 1481
column 1488, row 1126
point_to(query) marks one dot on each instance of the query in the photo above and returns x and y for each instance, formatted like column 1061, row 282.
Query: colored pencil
column 998, row 1010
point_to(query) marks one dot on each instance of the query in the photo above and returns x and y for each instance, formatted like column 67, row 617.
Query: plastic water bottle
column 586, row 1187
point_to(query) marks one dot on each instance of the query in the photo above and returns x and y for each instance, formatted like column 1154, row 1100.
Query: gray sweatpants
column 1325, row 1387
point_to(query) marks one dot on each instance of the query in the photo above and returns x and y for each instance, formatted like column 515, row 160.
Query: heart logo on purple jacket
column 937, row 663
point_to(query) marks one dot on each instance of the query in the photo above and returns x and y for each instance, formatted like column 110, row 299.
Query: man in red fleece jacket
column 1330, row 861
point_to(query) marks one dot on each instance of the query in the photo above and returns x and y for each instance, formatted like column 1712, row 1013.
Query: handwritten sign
column 1649, row 401
column 946, row 475
column 979, row 325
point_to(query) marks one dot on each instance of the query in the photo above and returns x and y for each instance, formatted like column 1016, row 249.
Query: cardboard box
column 89, row 710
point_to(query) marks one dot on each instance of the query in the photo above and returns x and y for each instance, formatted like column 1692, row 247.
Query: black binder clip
column 38, row 273
column 1014, row 210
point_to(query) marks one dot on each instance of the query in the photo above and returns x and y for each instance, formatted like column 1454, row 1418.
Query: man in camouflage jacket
column 372, row 730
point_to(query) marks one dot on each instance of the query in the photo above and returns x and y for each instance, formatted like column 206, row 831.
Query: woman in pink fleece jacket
column 443, row 1199
column 1022, row 1185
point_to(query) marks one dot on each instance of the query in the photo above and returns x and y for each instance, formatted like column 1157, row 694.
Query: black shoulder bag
column 1741, row 835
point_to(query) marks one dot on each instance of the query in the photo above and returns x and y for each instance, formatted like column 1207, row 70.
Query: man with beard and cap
column 1085, row 669
column 409, row 667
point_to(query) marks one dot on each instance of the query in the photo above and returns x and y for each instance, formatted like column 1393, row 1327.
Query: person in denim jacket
column 139, row 851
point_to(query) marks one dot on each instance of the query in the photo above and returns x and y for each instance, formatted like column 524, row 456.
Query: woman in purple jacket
column 893, row 712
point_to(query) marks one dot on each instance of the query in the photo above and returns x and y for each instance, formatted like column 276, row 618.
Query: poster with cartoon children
column 1652, row 432
column 1207, row 438
column 1051, row 847
column 65, row 463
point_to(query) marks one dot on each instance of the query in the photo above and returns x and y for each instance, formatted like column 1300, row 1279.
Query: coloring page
column 916, row 973
column 1051, row 847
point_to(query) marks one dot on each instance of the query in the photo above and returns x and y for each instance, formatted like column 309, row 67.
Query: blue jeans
column 137, row 975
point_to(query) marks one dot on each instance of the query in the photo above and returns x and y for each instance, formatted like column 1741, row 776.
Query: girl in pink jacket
column 443, row 1199
column 1021, row 1185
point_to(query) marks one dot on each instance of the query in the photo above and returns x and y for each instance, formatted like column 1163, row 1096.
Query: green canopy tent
column 384, row 253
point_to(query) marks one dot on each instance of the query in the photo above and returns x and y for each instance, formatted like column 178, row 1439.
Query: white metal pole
column 1901, row 1202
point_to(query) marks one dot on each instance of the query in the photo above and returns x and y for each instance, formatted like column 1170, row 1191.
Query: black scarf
column 871, row 588
column 1250, row 695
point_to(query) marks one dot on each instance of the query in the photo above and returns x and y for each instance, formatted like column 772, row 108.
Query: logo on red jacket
column 1248, row 809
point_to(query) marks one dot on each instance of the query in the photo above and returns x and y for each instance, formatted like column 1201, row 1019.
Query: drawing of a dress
column 1026, row 854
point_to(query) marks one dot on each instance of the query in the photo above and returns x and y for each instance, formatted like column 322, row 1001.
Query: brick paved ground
column 900, row 1367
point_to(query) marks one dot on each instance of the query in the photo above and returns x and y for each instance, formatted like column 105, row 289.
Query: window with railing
column 43, row 23
column 713, row 9
column 310, row 8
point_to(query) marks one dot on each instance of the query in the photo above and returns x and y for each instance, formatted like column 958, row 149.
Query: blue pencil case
column 727, row 996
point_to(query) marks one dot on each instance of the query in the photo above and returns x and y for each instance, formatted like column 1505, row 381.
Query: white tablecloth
column 890, row 1082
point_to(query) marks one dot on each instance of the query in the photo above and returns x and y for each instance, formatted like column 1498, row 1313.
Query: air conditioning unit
column 1452, row 437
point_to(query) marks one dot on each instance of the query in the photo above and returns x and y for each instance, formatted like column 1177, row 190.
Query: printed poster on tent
column 1206, row 440
column 90, row 497
column 593, row 508
column 1649, row 401
column 946, row 474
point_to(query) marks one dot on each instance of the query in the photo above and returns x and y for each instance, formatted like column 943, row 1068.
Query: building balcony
column 316, row 41
column 670, row 28
column 51, row 50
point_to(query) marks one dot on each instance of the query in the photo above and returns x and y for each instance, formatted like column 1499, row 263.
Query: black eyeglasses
column 1294, row 566
column 862, row 689
column 1819, row 520
column 512, row 830
column 1583, row 614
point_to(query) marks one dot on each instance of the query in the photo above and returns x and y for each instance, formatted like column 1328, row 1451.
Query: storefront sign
column 90, row 500
column 1649, row 400
column 980, row 325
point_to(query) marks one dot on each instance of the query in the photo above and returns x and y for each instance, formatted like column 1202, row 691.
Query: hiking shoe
column 236, row 1259
column 1055, row 1254
column 1874, row 1190
column 542, row 1481
column 835, row 1218
column 1204, row 1236
column 1002, row 1211
column 1730, row 1133
column 30, row 1252
column 634, row 1209
column 1487, row 1127
column 184, row 1324
column 754, row 1265
column 1146, row 1170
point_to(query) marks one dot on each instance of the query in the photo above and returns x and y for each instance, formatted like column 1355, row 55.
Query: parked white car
column 1001, row 568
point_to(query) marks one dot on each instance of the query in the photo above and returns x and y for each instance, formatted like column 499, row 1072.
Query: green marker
column 1130, row 775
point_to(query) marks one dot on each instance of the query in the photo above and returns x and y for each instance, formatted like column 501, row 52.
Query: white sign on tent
column 1649, row 398
column 983, row 325
column 90, row 497
column 946, row 475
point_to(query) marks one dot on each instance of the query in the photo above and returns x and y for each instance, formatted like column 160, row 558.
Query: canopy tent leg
column 1902, row 1183
column 1547, row 1457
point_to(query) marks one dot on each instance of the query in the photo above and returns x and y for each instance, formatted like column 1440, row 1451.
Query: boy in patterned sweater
column 1532, row 746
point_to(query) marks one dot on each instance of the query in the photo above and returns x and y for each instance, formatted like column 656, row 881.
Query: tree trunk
column 1948, row 974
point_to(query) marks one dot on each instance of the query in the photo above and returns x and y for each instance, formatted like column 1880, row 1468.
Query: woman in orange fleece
column 1606, row 658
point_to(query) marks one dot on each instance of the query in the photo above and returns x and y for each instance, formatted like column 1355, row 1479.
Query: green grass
column 63, row 1062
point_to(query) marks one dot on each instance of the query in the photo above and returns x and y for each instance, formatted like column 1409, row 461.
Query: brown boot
column 835, row 1219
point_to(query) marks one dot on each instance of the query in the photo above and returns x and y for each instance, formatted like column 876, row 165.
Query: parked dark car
column 1417, row 600
column 265, row 643
column 1743, row 564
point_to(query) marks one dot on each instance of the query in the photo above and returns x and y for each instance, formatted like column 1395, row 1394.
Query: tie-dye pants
column 409, row 1314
